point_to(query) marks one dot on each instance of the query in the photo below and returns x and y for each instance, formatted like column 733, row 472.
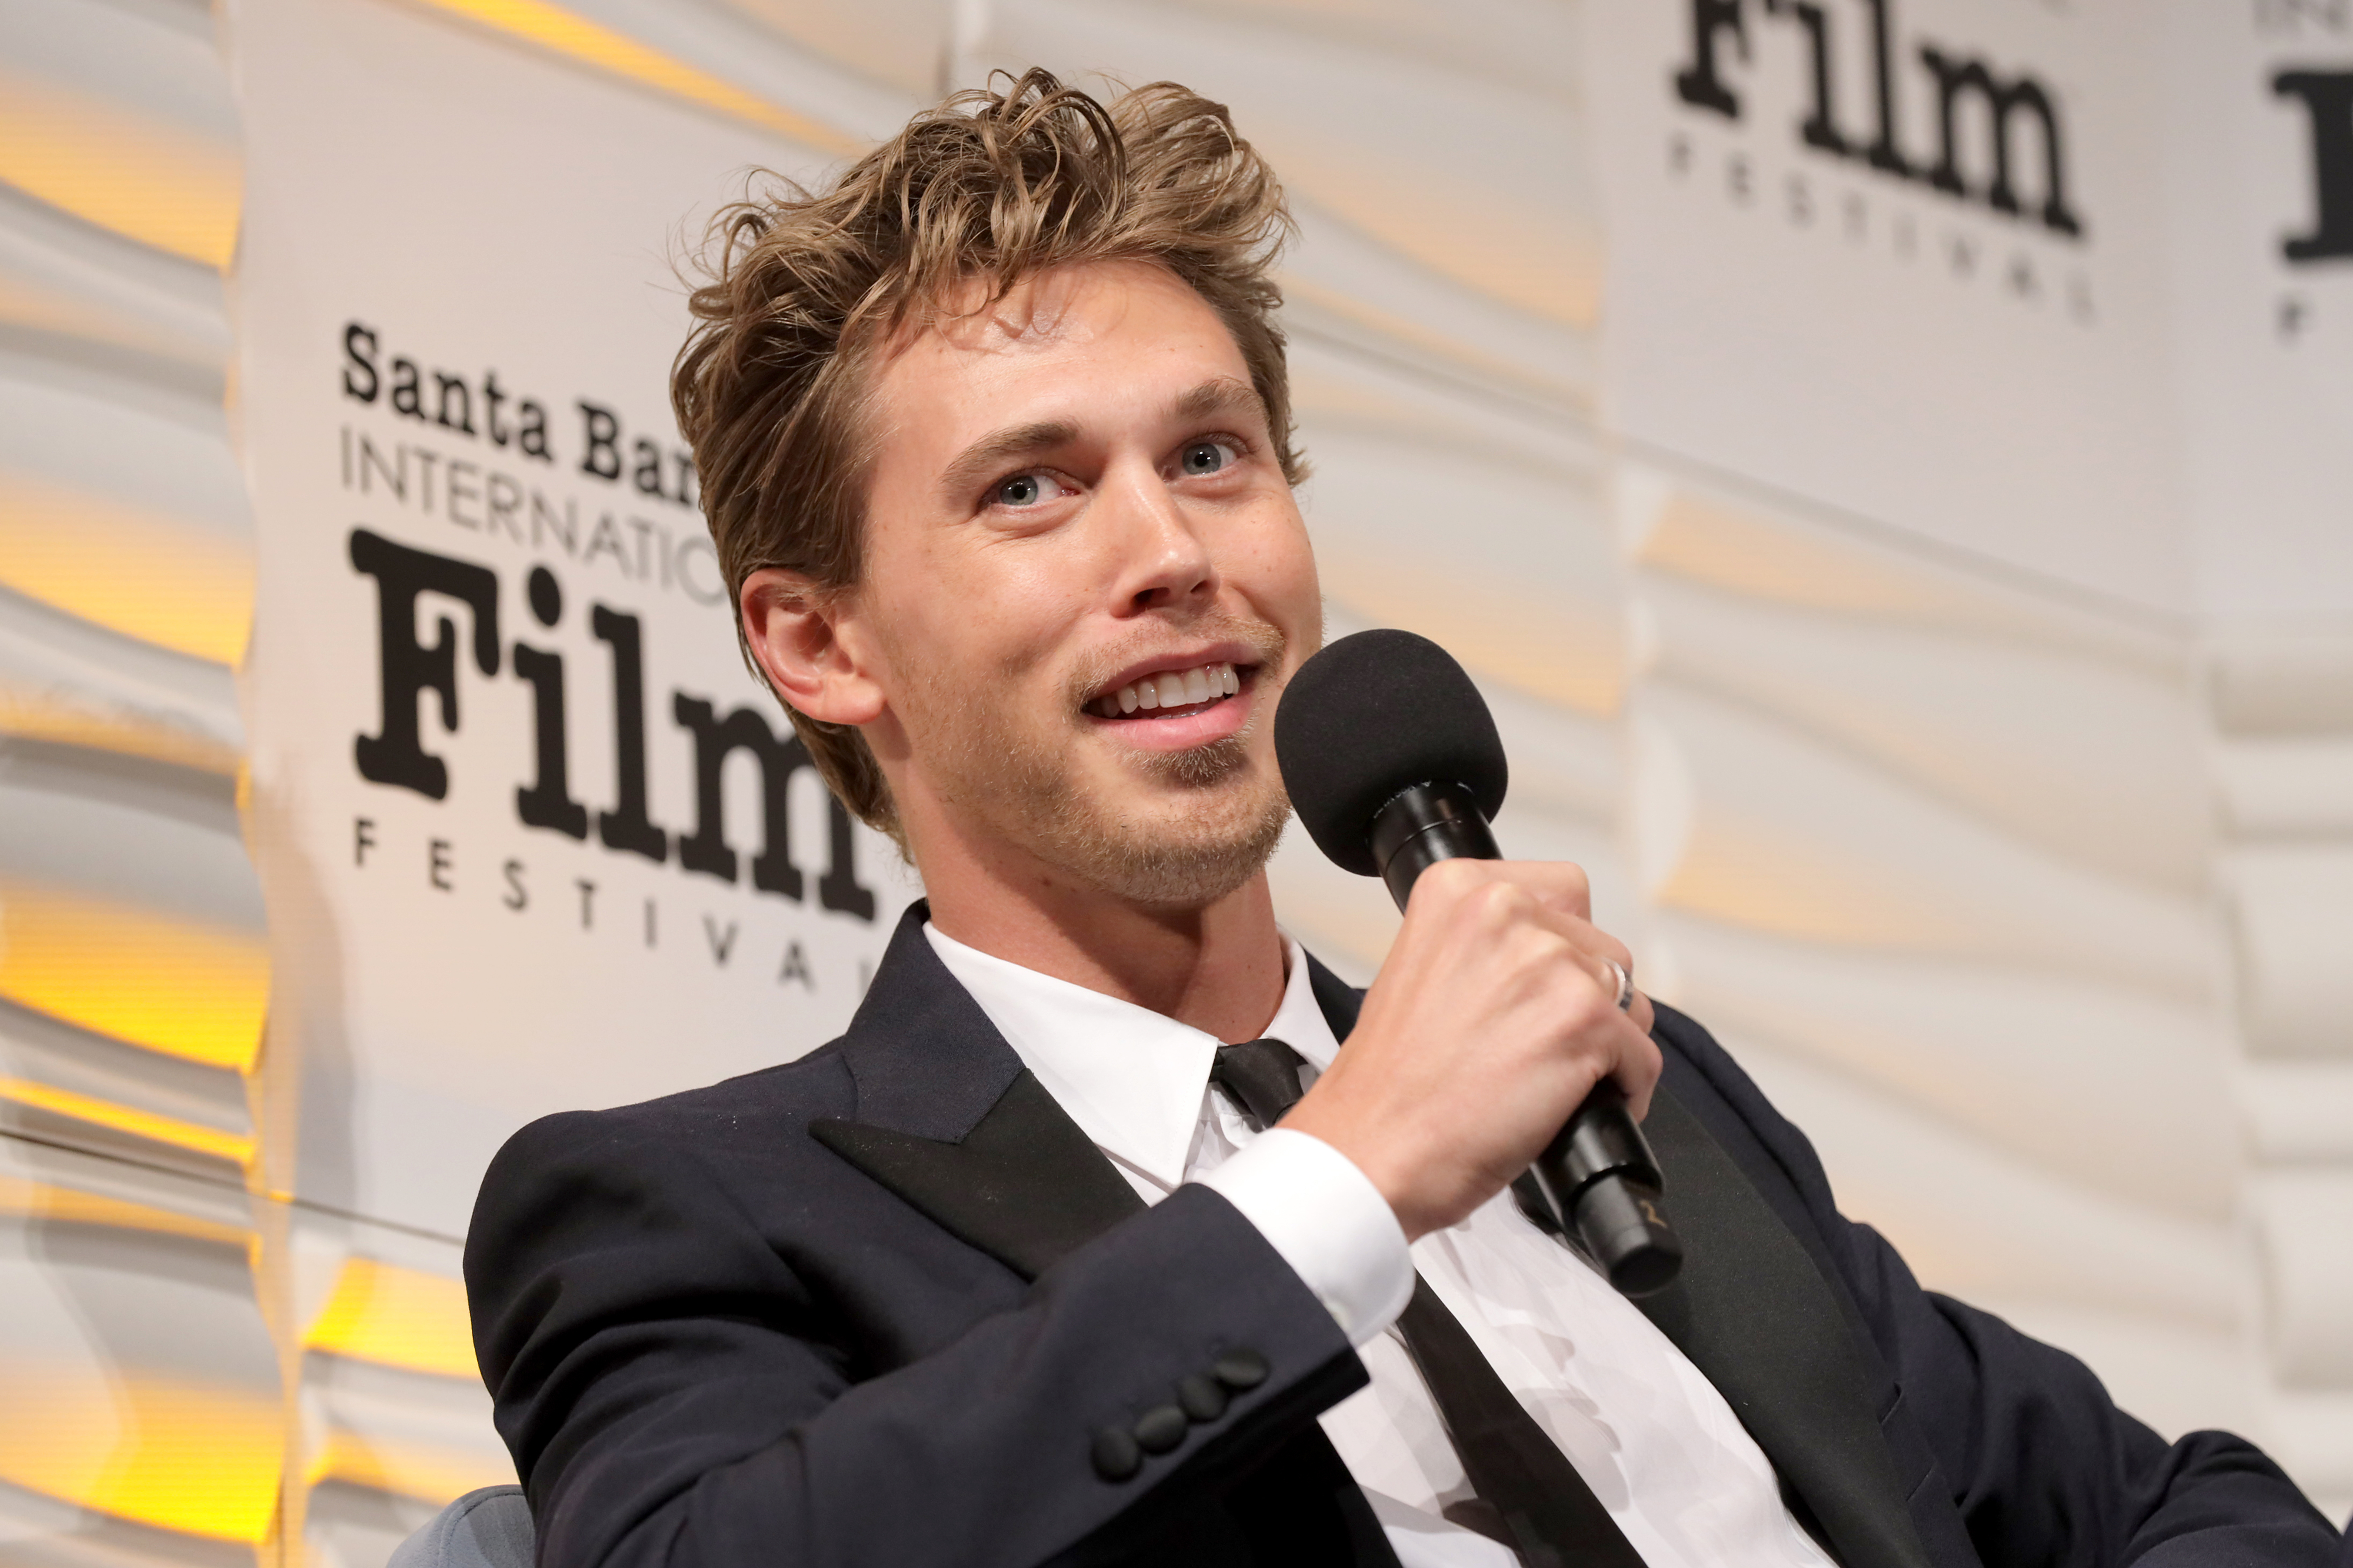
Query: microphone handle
column 1599, row 1175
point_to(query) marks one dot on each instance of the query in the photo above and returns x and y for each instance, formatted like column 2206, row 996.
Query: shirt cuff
column 1327, row 1220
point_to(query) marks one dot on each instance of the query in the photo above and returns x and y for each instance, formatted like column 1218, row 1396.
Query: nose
column 1163, row 563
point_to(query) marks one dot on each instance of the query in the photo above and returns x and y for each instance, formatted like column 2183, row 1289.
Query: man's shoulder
column 1681, row 1036
column 1706, row 1079
column 767, row 1111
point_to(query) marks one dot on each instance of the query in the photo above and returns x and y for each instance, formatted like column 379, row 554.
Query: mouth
column 1172, row 693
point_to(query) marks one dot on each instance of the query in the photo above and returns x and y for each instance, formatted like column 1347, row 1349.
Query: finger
column 1560, row 886
column 1583, row 934
column 1597, row 950
column 1640, row 1010
column 1636, row 1060
column 1637, row 1073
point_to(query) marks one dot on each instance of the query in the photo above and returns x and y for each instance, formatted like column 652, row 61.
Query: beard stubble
column 1020, row 774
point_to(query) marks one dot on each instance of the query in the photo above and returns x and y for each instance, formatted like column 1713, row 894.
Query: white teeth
column 1176, row 688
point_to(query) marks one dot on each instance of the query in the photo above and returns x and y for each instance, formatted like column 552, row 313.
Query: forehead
column 1085, row 345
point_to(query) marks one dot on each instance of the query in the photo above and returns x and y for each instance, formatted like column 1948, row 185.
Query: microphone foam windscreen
column 1373, row 715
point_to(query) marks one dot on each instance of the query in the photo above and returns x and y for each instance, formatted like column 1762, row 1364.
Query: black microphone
column 1393, row 764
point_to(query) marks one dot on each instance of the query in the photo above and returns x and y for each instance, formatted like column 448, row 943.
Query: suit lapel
column 952, row 1123
column 1340, row 1000
column 1755, row 1316
column 1754, row 1313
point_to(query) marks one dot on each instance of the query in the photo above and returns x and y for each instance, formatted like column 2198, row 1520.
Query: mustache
column 1266, row 642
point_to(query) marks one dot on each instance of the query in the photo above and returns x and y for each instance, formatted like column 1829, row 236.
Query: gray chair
column 485, row 1528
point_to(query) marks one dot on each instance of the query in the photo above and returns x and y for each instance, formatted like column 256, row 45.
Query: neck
column 1218, row 968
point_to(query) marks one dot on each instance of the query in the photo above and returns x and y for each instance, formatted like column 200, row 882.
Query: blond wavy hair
column 806, row 290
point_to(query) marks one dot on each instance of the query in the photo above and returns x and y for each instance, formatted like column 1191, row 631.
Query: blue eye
column 1026, row 492
column 1203, row 457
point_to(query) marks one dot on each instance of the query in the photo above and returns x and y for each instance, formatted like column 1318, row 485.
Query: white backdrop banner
column 2262, row 226
column 1905, row 258
column 532, row 837
column 2069, row 288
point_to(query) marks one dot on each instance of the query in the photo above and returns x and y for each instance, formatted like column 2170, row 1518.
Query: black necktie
column 1531, row 1498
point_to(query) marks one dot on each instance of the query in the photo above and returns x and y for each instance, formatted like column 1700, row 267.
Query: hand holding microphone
column 1494, row 1040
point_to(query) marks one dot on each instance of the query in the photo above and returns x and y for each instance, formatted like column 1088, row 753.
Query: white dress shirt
column 1652, row 1436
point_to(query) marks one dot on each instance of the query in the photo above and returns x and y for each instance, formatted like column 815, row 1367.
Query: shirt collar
column 1132, row 1079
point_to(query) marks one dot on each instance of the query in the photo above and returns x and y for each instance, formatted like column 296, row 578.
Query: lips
column 1169, row 691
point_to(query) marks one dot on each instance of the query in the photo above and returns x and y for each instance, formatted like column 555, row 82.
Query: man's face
column 1085, row 580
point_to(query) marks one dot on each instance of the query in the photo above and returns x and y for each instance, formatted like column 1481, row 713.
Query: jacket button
column 1241, row 1369
column 1204, row 1398
column 1160, row 1428
column 1116, row 1457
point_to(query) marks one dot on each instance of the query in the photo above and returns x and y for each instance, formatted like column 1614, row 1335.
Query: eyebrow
column 1222, row 395
column 983, row 457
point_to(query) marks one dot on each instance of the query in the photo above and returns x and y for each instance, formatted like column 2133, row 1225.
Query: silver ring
column 1625, row 984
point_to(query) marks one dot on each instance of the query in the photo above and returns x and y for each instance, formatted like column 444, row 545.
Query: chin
column 1181, row 854
column 1178, row 877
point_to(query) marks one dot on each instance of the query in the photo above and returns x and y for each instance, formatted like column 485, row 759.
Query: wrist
column 1391, row 1168
column 1318, row 1211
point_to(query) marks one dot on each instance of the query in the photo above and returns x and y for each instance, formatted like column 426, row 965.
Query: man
column 996, row 447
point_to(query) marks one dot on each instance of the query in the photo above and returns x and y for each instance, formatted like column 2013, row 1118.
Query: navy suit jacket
column 871, row 1307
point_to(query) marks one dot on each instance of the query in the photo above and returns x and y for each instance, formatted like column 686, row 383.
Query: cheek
column 1278, row 569
column 998, row 613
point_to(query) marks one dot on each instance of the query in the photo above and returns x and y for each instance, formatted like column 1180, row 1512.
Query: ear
column 794, row 627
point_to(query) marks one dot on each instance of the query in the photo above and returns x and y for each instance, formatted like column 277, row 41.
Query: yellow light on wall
column 576, row 38
column 191, row 1135
column 38, row 715
column 174, row 584
column 176, row 985
column 104, row 162
column 1520, row 637
column 181, row 1455
column 397, row 1317
column 433, row 1474
column 71, row 1205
